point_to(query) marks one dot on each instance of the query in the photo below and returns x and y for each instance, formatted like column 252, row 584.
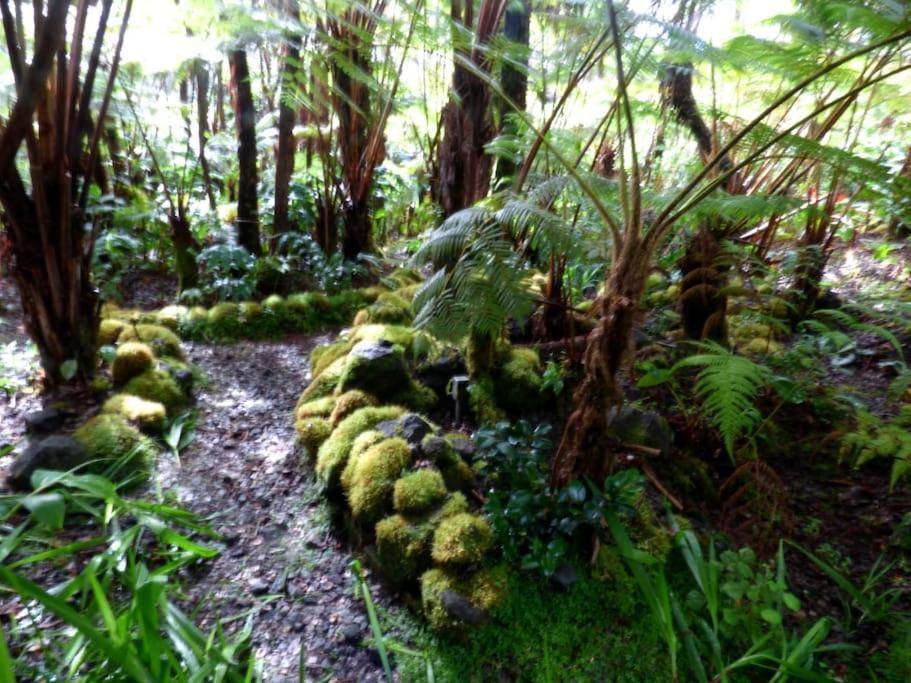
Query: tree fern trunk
column 245, row 121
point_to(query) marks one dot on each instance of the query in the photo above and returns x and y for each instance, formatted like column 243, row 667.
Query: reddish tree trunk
column 284, row 163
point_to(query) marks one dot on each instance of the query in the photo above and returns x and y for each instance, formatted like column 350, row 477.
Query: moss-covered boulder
column 363, row 442
column 313, row 432
column 517, row 384
column 109, row 330
column 159, row 386
column 377, row 368
column 149, row 416
column 458, row 476
column 348, row 402
column 131, row 359
column 333, row 454
column 172, row 317
column 320, row 407
column 461, row 540
column 451, row 603
column 418, row 491
column 325, row 383
column 373, row 479
column 162, row 340
column 402, row 548
column 326, row 354
column 109, row 438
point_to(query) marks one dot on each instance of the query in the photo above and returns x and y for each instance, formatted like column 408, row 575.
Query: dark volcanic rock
column 47, row 421
column 52, row 453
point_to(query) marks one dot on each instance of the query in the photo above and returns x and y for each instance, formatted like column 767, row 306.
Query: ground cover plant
column 455, row 341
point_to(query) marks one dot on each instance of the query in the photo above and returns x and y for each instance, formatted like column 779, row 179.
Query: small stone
column 460, row 607
column 45, row 421
column 351, row 634
column 53, row 453
column 258, row 586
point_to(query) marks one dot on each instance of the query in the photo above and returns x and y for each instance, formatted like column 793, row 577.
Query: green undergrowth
column 595, row 631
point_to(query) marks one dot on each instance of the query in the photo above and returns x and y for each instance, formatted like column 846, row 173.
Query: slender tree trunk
column 202, row 124
column 516, row 27
column 245, row 121
column 218, row 123
column 284, row 163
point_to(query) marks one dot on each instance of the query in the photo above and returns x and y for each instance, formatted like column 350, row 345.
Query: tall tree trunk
column 516, row 27
column 245, row 122
column 201, row 70
column 284, row 163
column 218, row 122
column 465, row 168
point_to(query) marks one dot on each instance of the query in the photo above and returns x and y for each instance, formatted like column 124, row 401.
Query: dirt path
column 279, row 560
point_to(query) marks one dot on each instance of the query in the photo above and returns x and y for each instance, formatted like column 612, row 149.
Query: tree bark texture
column 245, row 123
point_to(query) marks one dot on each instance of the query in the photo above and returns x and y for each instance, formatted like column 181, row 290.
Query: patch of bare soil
column 244, row 470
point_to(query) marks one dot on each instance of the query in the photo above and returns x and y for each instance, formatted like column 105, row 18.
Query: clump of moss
column 249, row 311
column 348, row 402
column 226, row 310
column 400, row 335
column 517, row 386
column 458, row 476
column 761, row 347
column 131, row 359
column 418, row 491
column 481, row 399
column 161, row 339
column 325, row 383
column 484, row 590
column 320, row 407
column 461, row 540
column 149, row 416
column 333, row 454
column 403, row 548
column 197, row 314
column 172, row 316
column 108, row 438
column 374, row 478
column 439, row 451
column 109, row 330
column 417, row 397
column 323, row 356
column 390, row 308
column 363, row 442
column 274, row 302
column 159, row 386
column 377, row 368
column 313, row 431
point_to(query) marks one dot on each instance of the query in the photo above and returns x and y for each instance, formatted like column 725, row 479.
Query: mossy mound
column 377, row 368
column 320, row 407
column 458, row 476
column 348, row 402
column 483, row 403
column 323, row 356
column 131, row 359
column 333, row 454
column 109, row 437
column 399, row 335
column 389, row 308
column 461, row 540
column 418, row 491
column 403, row 548
column 172, row 316
column 325, row 383
column 159, row 386
column 417, row 397
column 361, row 445
column 313, row 431
column 161, row 339
column 149, row 416
column 374, row 477
column 227, row 310
column 439, row 451
column 450, row 601
column 109, row 329
column 517, row 384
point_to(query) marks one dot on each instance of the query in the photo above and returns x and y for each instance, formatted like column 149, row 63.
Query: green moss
column 403, row 548
column 249, row 311
column 404, row 277
column 461, row 540
column 197, row 315
column 417, row 397
column 439, row 451
column 333, row 454
column 321, row 407
column 325, row 383
column 101, row 384
column 458, row 476
column 323, row 356
column 395, row 334
column 161, row 339
column 362, row 443
column 381, row 376
column 274, row 302
column 418, row 491
column 374, row 477
column 361, row 318
column 761, row 347
column 149, row 416
column 485, row 590
column 131, row 359
column 172, row 316
column 157, row 385
column 517, row 385
column 483, row 403
column 348, row 402
column 108, row 438
column 226, row 310
column 313, row 431
column 109, row 330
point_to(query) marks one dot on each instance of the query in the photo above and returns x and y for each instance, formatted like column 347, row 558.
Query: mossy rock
column 403, row 548
column 110, row 438
column 249, row 311
column 323, row 356
column 362, row 443
column 461, row 540
column 149, row 416
column 377, row 368
column 333, row 454
column 274, row 302
column 325, row 383
column 159, row 386
column 394, row 334
column 439, row 451
column 224, row 311
column 517, row 384
column 313, row 432
column 131, row 359
column 109, row 330
column 348, row 402
column 320, row 407
column 416, row 396
column 172, row 316
column 404, row 277
column 761, row 347
column 483, row 403
column 197, row 315
column 451, row 603
column 418, row 491
column 161, row 339
column 458, row 476
column 374, row 477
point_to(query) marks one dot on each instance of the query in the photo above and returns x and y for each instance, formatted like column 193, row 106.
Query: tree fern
column 728, row 386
